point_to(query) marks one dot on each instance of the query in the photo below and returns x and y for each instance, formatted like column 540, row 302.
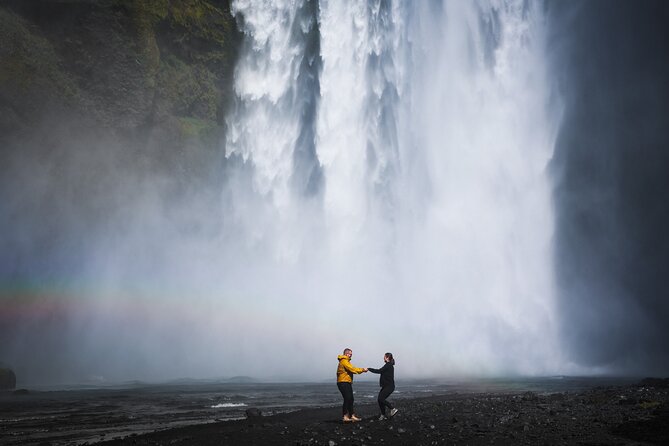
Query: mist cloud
column 411, row 207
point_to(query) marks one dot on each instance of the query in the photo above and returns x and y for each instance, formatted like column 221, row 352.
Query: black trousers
column 346, row 390
column 383, row 394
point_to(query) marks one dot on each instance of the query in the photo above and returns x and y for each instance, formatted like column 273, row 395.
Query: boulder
column 253, row 413
column 7, row 379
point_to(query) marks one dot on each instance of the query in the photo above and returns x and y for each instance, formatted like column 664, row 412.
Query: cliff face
column 135, row 68
column 105, row 106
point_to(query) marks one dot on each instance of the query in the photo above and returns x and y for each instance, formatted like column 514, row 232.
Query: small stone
column 401, row 430
column 332, row 443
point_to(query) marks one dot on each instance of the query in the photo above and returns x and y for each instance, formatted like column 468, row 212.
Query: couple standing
column 345, row 372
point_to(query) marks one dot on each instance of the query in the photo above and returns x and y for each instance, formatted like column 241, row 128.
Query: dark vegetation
column 136, row 68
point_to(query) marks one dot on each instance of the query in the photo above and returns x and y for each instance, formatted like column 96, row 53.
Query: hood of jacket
column 346, row 370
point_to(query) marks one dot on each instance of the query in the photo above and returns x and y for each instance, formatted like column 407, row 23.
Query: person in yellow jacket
column 345, row 372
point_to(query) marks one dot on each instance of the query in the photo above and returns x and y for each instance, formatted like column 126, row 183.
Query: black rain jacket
column 387, row 372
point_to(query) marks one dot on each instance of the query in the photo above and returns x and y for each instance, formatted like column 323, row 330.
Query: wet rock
column 253, row 412
column 7, row 379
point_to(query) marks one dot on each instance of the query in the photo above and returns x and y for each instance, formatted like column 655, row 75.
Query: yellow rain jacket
column 345, row 370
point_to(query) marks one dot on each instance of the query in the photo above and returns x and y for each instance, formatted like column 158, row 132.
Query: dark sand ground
column 629, row 415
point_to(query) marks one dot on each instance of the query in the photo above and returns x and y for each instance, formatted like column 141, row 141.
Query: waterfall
column 387, row 164
column 481, row 139
column 277, row 87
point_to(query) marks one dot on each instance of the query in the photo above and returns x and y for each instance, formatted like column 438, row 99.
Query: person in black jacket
column 387, row 383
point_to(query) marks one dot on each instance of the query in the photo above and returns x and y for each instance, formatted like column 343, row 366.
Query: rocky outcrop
column 253, row 412
column 7, row 379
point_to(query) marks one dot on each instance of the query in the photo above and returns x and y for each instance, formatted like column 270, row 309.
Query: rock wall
column 7, row 379
column 149, row 71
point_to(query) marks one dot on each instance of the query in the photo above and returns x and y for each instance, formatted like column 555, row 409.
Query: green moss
column 200, row 133
column 201, row 18
column 201, row 129
column 167, row 58
column 190, row 90
column 145, row 15
column 145, row 12
column 193, row 22
column 649, row 404
column 203, row 21
column 30, row 62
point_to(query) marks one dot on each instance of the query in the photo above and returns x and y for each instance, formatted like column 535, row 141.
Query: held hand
column 365, row 369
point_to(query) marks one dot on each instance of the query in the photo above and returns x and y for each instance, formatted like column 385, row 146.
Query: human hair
column 390, row 358
column 347, row 350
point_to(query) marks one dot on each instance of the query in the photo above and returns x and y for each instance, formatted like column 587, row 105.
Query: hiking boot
column 393, row 412
column 383, row 417
column 355, row 418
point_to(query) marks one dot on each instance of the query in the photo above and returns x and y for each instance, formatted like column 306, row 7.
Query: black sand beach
column 614, row 415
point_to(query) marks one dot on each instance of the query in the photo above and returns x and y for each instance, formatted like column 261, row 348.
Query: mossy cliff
column 152, row 74
column 112, row 120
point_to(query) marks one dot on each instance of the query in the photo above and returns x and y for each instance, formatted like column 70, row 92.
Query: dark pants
column 383, row 394
column 346, row 390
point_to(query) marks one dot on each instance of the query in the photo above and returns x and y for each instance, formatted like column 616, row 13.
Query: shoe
column 393, row 412
column 355, row 418
column 347, row 419
column 383, row 417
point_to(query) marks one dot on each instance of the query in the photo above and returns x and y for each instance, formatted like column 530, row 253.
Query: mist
column 438, row 180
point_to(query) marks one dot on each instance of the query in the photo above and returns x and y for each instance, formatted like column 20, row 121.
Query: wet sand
column 623, row 415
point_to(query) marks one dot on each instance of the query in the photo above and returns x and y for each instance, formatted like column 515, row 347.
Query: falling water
column 387, row 180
